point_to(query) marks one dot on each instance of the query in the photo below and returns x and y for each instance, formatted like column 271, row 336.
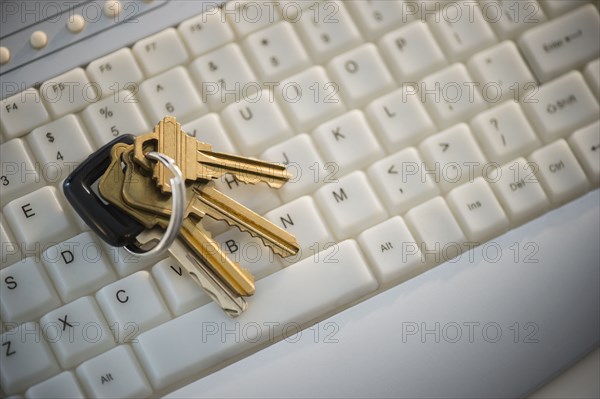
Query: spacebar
column 205, row 337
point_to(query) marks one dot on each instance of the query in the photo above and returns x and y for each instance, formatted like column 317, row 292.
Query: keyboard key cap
column 347, row 141
column 171, row 93
column 563, row 44
column 114, row 374
column 563, row 105
column 223, row 76
column 248, row 16
column 349, row 205
column 592, row 74
column 400, row 119
column 256, row 123
column 77, row 332
column 20, row 173
column 402, row 181
column 125, row 263
column 115, row 72
column 26, row 358
column 509, row 18
column 327, row 29
column 180, row 291
column 21, row 113
column 585, row 143
column 209, row 129
column 69, row 92
column 309, row 98
column 412, row 52
column 60, row 146
column 26, row 291
column 478, row 211
column 159, row 52
column 519, row 191
column 504, row 133
column 78, row 267
column 438, row 234
column 249, row 252
column 377, row 17
column 392, row 251
column 461, row 30
column 11, row 252
column 338, row 276
column 361, row 74
column 302, row 219
column 454, row 156
column 501, row 72
column 451, row 96
column 108, row 118
column 557, row 7
column 39, row 218
column 302, row 160
column 276, row 52
column 205, row 32
column 559, row 172
column 133, row 305
column 63, row 385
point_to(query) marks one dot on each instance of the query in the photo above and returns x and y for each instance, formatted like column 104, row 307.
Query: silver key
column 231, row 304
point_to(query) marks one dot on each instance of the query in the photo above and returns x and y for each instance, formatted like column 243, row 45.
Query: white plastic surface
column 547, row 293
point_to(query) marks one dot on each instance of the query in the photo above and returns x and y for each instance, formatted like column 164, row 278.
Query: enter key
column 565, row 43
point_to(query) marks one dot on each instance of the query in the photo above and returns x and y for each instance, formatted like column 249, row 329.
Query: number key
column 119, row 114
column 60, row 145
column 171, row 93
column 19, row 174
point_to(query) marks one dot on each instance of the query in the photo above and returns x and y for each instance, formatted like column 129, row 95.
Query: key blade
column 211, row 202
column 231, row 304
column 213, row 165
column 229, row 272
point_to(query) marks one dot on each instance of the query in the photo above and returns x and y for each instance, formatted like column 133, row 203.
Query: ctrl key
column 25, row 358
column 114, row 374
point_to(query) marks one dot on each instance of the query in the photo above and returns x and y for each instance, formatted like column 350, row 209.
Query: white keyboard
column 398, row 124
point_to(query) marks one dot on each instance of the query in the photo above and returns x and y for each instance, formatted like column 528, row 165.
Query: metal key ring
column 178, row 208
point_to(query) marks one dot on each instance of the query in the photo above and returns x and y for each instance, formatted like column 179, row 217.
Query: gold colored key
column 205, row 200
column 236, row 277
column 197, row 160
column 193, row 238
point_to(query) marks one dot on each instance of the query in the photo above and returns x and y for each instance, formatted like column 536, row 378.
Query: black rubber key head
column 108, row 222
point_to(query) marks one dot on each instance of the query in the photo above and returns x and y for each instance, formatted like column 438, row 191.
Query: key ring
column 178, row 207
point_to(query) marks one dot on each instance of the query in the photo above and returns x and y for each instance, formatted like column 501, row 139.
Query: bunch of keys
column 140, row 198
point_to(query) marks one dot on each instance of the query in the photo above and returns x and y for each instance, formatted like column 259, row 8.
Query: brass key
column 110, row 187
column 236, row 277
column 205, row 200
column 197, row 160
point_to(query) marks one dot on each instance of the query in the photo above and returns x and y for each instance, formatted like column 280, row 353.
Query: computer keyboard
column 404, row 142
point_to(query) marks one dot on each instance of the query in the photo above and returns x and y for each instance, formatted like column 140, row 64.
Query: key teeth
column 276, row 250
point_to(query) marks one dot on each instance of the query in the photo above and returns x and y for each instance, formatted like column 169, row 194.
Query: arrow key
column 585, row 143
